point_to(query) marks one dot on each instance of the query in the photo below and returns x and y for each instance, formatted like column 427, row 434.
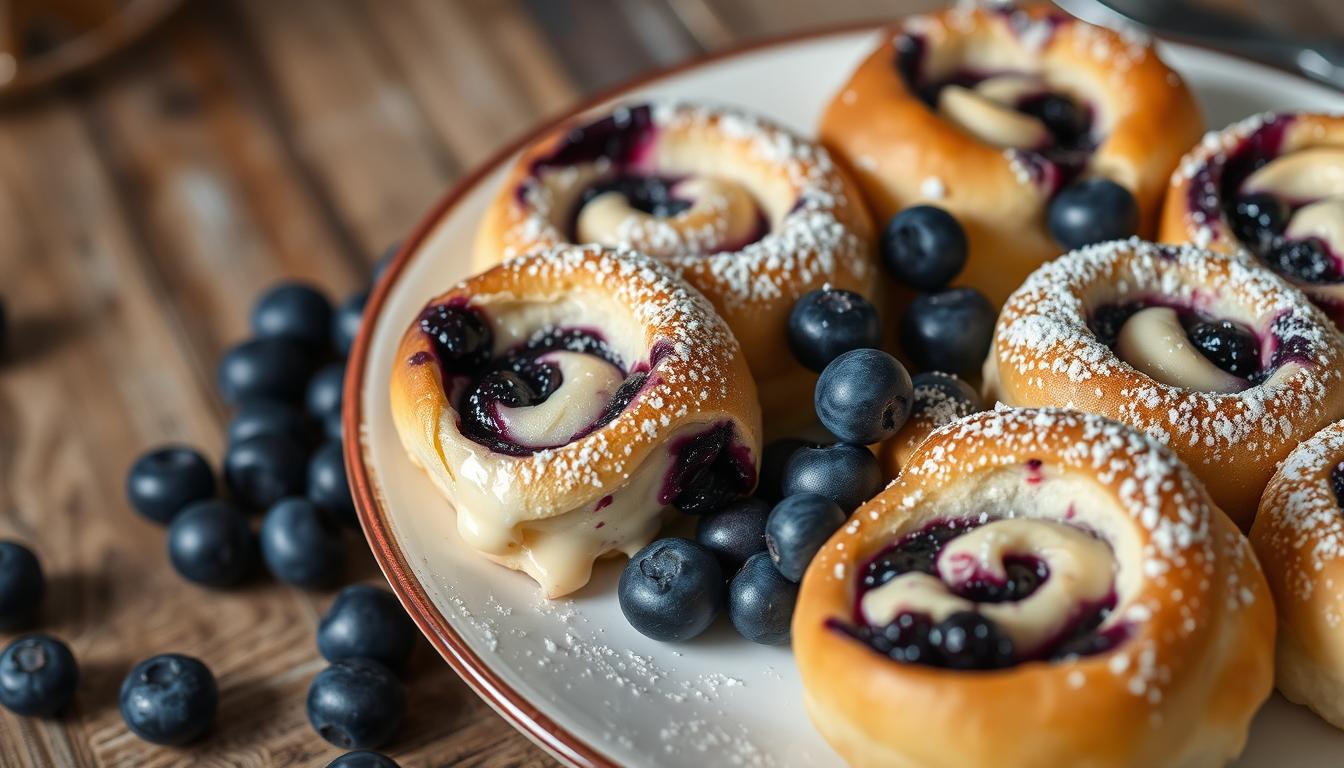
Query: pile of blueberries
column 285, row 461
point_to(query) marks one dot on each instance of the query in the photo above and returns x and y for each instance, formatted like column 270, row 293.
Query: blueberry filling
column 1022, row 576
column 461, row 337
column 1230, row 346
column 708, row 470
column 1337, row 482
column 619, row 138
column 650, row 194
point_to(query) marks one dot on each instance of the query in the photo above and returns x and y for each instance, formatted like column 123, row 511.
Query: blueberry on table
column 671, row 590
column 301, row 544
column 325, row 390
column 924, row 247
column 356, row 704
column 949, row 331
column 826, row 323
column 363, row 759
column 169, row 699
column 774, row 459
column 294, row 310
column 863, row 396
column 333, row 427
column 166, row 479
column 264, row 469
column 345, row 325
column 1092, row 211
column 846, row 474
column 796, row 530
column 22, row 586
column 276, row 368
column 735, row 532
column 366, row 622
column 38, row 674
column 210, row 543
column 264, row 416
column 327, row 484
column 969, row 640
column 761, row 600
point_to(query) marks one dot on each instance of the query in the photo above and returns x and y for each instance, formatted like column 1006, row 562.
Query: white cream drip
column 988, row 113
column 1154, row 342
column 587, row 383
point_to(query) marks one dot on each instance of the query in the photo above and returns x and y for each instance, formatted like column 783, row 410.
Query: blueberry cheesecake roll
column 1299, row 538
column 1273, row 186
column 1019, row 122
column 749, row 213
column 1217, row 357
column 564, row 400
column 1036, row 572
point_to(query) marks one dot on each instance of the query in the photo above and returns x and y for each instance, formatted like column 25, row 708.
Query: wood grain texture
column 145, row 205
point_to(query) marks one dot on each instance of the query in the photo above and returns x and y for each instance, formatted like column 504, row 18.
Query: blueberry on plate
column 949, row 331
column 22, row 586
column 166, row 479
column 356, row 704
column 301, row 544
column 846, row 474
column 774, row 459
column 761, row 600
column 1092, row 211
column 263, row 416
column 826, row 323
column 796, row 530
column 924, row 247
column 210, row 543
column 276, row 368
column 264, row 469
column 169, row 699
column 366, row 622
column 345, row 325
column 38, row 674
column 671, row 590
column 863, row 396
column 294, row 310
column 363, row 759
column 327, row 485
column 969, row 640
column 735, row 532
column 325, row 391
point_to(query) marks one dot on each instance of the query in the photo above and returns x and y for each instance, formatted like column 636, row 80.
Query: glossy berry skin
column 924, row 247
column 797, row 528
column 949, row 331
column 774, row 459
column 366, row 622
column 863, row 396
column 1092, row 211
column 846, row 474
column 264, row 469
column 735, row 532
column 671, row 590
column 327, row 484
column 1229, row 346
column 325, row 391
column 761, row 600
column 826, row 323
column 301, row 544
column 22, row 586
column 166, row 479
column 460, row 335
column 363, row 759
column 263, row 416
column 276, row 368
column 345, row 324
column 356, row 704
column 38, row 675
column 294, row 310
column 169, row 699
column 210, row 543
column 968, row 640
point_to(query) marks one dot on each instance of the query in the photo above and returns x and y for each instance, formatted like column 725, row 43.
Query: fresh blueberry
column 345, row 325
column 969, row 640
column 263, row 416
column 264, row 469
column 166, row 479
column 774, row 459
column 1228, row 345
column 1092, row 211
column 827, row 323
column 363, row 759
column 301, row 544
column 366, row 622
column 22, row 586
column 384, row 261
column 325, row 391
column 461, row 336
column 1258, row 217
column 924, row 247
column 37, row 676
column 327, row 484
column 846, row 474
column 905, row 639
column 761, row 600
column 333, row 427
column 210, row 543
column 935, row 389
column 949, row 331
column 169, row 699
column 356, row 704
column 735, row 532
column 275, row 368
column 294, row 310
column 863, row 396
column 671, row 590
column 797, row 528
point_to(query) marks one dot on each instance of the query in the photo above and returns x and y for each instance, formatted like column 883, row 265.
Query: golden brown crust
column 902, row 153
column 1180, row 690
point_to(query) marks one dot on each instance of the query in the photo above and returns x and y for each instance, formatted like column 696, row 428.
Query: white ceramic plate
column 572, row 674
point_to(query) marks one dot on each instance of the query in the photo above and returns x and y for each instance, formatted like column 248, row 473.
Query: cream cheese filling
column 1155, row 343
column 1314, row 176
column 722, row 213
column 587, row 383
column 987, row 112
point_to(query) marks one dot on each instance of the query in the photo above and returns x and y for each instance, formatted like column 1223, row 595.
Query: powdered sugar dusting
column 1301, row 518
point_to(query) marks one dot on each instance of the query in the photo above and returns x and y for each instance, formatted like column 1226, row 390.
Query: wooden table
column 144, row 206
